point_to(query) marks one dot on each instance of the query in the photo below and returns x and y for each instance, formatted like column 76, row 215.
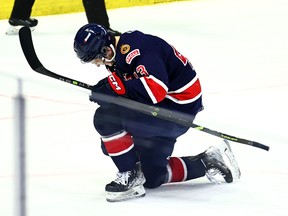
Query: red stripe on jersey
column 155, row 88
column 186, row 94
column 120, row 145
column 178, row 168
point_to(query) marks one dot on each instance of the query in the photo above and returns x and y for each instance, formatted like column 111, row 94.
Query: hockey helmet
column 90, row 40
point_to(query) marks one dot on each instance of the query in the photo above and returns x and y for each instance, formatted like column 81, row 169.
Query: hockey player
column 20, row 16
column 147, row 69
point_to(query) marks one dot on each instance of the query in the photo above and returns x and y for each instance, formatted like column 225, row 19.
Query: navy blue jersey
column 155, row 72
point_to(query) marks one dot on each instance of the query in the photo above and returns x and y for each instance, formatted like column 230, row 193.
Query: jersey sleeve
column 150, row 83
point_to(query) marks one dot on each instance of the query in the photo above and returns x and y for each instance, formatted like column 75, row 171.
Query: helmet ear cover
column 90, row 41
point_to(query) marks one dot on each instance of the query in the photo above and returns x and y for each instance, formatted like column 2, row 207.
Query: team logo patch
column 125, row 49
column 132, row 55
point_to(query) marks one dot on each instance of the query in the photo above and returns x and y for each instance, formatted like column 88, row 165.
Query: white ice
column 239, row 49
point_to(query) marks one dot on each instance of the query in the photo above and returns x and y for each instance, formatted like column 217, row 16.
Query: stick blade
column 28, row 48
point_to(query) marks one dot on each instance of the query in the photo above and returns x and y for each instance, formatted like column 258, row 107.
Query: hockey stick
column 180, row 118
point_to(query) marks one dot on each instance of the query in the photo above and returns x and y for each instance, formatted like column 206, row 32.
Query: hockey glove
column 112, row 85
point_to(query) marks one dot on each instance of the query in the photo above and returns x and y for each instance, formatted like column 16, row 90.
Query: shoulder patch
column 132, row 55
column 125, row 48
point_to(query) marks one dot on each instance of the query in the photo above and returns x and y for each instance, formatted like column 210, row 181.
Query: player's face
column 104, row 58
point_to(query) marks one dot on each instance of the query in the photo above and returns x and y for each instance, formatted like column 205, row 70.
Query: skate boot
column 127, row 185
column 16, row 24
column 220, row 163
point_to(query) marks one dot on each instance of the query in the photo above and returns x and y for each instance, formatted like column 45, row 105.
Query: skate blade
column 14, row 30
column 133, row 193
column 232, row 162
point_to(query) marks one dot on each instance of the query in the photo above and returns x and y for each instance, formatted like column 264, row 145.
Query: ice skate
column 220, row 163
column 17, row 24
column 127, row 185
column 227, row 151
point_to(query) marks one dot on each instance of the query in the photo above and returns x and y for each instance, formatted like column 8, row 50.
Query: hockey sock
column 120, row 148
column 183, row 169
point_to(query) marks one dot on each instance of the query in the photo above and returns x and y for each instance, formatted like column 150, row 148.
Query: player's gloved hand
column 112, row 84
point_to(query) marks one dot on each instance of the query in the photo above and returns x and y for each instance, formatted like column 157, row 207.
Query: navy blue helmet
column 90, row 40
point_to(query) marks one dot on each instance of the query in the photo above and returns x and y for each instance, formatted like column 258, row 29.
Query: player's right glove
column 111, row 85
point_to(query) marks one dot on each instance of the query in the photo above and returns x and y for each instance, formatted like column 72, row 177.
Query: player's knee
column 107, row 121
column 98, row 121
column 154, row 183
column 155, row 179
